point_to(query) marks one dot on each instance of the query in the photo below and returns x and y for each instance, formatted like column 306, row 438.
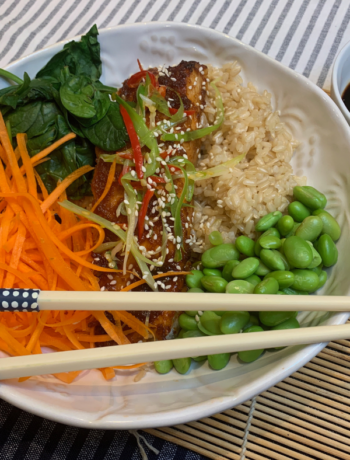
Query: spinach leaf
column 101, row 104
column 76, row 96
column 24, row 117
column 46, row 117
column 16, row 93
column 109, row 133
column 82, row 58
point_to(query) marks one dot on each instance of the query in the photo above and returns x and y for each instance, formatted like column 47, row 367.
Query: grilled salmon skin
column 189, row 81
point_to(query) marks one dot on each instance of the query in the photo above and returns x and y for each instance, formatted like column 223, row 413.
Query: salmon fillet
column 189, row 80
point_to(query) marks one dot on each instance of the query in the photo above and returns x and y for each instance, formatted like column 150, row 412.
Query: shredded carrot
column 44, row 246
column 110, row 179
column 161, row 275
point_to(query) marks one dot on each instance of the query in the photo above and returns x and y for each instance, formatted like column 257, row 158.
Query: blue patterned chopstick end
column 19, row 300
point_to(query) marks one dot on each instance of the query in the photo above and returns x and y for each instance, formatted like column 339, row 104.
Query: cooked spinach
column 66, row 95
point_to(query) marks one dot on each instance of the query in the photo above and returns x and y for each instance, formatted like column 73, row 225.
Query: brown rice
column 263, row 181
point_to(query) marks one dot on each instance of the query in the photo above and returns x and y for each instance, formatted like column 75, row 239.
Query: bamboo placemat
column 307, row 416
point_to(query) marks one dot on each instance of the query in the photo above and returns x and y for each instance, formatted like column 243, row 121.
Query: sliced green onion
column 109, row 158
column 218, row 170
column 141, row 91
column 199, row 133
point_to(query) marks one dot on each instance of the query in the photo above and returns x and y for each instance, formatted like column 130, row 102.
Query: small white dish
column 163, row 400
column 341, row 79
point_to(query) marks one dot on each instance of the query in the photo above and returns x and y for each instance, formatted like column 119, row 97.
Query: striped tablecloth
column 305, row 35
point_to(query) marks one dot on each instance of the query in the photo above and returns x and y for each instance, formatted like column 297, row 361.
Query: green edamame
column 284, row 278
column 246, row 268
column 163, row 367
column 268, row 221
column 195, row 290
column 253, row 279
column 267, row 286
column 257, row 248
column 270, row 242
column 330, row 225
column 291, row 291
column 298, row 253
column 285, row 225
column 310, row 197
column 219, row 361
column 233, row 322
column 199, row 359
column 327, row 250
column 317, row 269
column 191, row 334
column 262, row 270
column 310, row 228
column 298, row 211
column 215, row 238
column 227, row 270
column 322, row 279
column 272, row 259
column 239, row 287
column 294, row 229
column 316, row 258
column 211, row 272
column 251, row 355
column 270, row 232
column 218, row 255
column 245, row 245
column 253, row 321
column 214, row 284
column 273, row 318
column 209, row 323
column 280, row 293
column 305, row 280
column 191, row 313
column 291, row 323
column 188, row 323
column 182, row 365
column 193, row 279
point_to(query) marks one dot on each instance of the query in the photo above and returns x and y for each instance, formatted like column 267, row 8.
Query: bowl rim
column 291, row 363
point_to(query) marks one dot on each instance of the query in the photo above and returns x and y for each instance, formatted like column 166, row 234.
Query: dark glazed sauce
column 346, row 97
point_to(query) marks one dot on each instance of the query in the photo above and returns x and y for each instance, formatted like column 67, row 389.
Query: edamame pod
column 284, row 278
column 310, row 197
column 219, row 361
column 233, row 322
column 251, row 355
column 163, row 367
column 193, row 279
column 269, row 242
column 330, row 225
column 273, row 318
column 310, row 228
column 298, row 211
column 246, row 268
column 211, row 272
column 305, row 280
column 218, row 255
column 188, row 323
column 285, row 225
column 327, row 250
column 239, row 287
column 298, row 253
column 182, row 365
column 268, row 221
column 272, row 259
column 267, row 286
column 253, row 279
column 214, row 284
column 245, row 245
column 322, row 279
column 209, row 323
column 215, row 238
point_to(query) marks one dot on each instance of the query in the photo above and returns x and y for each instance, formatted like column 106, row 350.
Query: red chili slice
column 187, row 112
column 158, row 180
column 143, row 211
column 140, row 65
column 135, row 79
column 125, row 170
column 135, row 143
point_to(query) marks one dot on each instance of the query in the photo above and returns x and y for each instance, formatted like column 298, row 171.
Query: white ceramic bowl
column 341, row 79
column 322, row 156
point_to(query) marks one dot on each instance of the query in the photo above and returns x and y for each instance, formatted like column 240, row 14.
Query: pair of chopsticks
column 93, row 358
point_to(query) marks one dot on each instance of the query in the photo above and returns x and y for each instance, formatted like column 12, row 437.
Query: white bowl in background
column 323, row 156
column 341, row 79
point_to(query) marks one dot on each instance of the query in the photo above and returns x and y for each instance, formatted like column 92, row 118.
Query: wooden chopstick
column 179, row 301
column 66, row 361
